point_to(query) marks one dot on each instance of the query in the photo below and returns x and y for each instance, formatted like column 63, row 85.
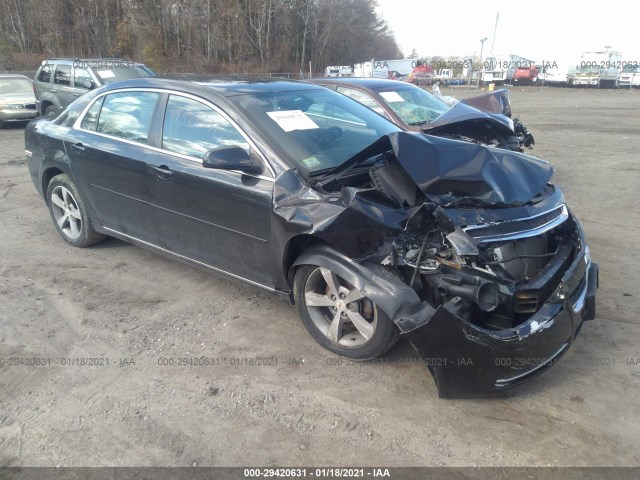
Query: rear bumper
column 469, row 361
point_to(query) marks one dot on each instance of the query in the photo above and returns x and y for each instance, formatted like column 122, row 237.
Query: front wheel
column 339, row 317
column 69, row 213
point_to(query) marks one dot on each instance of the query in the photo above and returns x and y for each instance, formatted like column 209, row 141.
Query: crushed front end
column 510, row 298
column 474, row 256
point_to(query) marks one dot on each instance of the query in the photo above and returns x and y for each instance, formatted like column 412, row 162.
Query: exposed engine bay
column 492, row 266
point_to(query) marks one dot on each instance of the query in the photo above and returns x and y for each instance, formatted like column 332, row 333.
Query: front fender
column 400, row 302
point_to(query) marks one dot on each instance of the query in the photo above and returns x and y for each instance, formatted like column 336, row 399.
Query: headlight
column 10, row 107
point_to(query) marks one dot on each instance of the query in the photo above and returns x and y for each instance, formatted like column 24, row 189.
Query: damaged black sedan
column 468, row 251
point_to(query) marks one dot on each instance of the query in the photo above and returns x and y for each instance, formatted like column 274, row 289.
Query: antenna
column 495, row 29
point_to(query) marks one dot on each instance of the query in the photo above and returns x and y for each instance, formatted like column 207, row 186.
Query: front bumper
column 585, row 81
column 467, row 360
column 18, row 115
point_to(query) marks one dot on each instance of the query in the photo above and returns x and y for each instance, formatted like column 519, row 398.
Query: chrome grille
column 522, row 227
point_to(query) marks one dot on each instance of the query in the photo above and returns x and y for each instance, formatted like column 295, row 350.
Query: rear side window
column 90, row 120
column 62, row 75
column 192, row 128
column 45, row 74
column 126, row 115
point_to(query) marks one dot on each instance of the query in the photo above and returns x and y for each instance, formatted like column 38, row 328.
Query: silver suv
column 59, row 81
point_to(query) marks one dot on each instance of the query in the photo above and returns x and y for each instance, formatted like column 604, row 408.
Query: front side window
column 62, row 75
column 193, row 128
column 127, row 115
column 81, row 78
column 361, row 97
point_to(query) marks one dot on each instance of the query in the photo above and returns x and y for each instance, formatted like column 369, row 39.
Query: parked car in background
column 629, row 76
column 59, row 81
column 17, row 102
column 483, row 119
column 467, row 251
column 526, row 75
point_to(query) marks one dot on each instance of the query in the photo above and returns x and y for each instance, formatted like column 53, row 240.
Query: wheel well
column 46, row 178
column 293, row 250
column 44, row 105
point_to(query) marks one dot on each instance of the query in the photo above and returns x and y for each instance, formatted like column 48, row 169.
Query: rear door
column 217, row 217
column 110, row 154
column 61, row 87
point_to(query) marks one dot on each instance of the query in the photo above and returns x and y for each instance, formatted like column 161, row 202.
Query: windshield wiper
column 383, row 144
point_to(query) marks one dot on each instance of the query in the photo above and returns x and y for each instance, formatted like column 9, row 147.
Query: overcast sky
column 538, row 30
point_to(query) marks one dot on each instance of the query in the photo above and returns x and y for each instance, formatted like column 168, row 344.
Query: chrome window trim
column 76, row 126
column 170, row 252
column 564, row 215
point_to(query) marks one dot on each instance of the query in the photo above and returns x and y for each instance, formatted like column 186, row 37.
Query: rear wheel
column 51, row 111
column 69, row 213
column 339, row 317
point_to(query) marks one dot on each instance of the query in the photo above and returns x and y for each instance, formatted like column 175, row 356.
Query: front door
column 220, row 218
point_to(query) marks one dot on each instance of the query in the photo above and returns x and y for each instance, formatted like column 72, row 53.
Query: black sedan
column 485, row 118
column 375, row 233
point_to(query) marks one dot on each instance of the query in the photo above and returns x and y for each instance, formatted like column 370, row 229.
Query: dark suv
column 59, row 81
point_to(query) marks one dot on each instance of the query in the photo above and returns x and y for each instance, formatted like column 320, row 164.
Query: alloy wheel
column 66, row 212
column 339, row 310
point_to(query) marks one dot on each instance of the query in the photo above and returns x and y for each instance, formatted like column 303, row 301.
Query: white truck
column 630, row 75
column 597, row 69
column 338, row 71
column 383, row 68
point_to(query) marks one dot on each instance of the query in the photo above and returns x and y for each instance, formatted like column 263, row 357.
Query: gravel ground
column 301, row 405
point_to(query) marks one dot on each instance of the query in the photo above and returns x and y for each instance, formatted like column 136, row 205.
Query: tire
column 70, row 214
column 51, row 111
column 312, row 283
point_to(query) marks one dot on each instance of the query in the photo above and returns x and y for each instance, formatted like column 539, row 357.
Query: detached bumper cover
column 469, row 361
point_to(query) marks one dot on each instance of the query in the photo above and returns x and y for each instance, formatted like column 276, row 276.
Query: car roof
column 226, row 87
column 365, row 82
column 74, row 60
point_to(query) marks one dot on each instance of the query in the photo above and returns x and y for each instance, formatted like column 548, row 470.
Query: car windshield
column 631, row 69
column 15, row 85
column 412, row 104
column 113, row 74
column 315, row 130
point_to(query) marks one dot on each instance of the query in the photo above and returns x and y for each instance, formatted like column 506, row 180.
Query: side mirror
column 231, row 158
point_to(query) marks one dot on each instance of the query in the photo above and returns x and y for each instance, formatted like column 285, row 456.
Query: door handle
column 78, row 147
column 75, row 94
column 162, row 170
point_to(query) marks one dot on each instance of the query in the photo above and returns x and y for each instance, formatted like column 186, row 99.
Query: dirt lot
column 134, row 309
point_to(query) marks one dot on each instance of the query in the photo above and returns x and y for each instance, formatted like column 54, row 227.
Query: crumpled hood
column 451, row 172
column 491, row 102
column 461, row 112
